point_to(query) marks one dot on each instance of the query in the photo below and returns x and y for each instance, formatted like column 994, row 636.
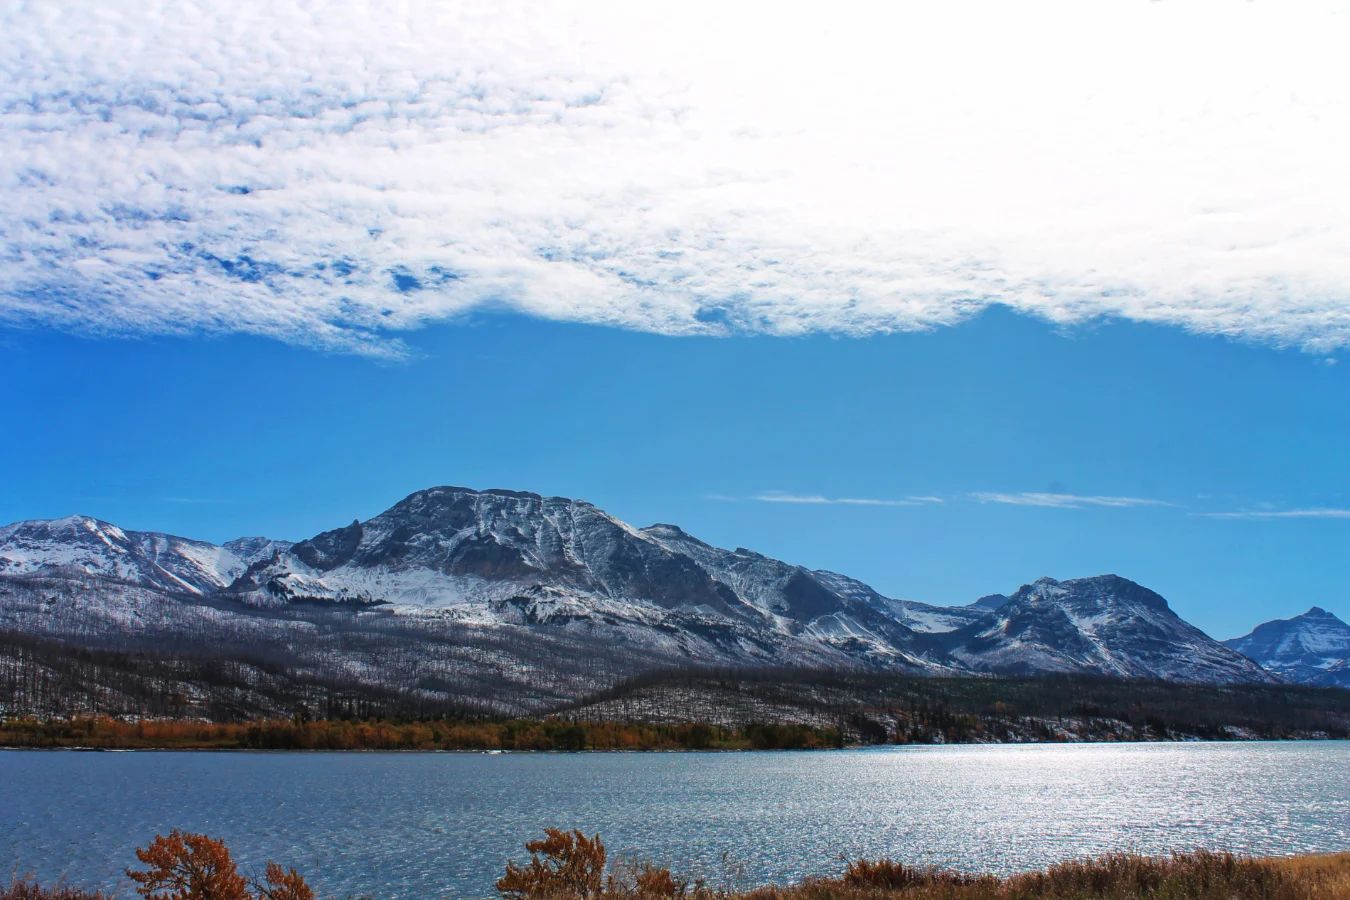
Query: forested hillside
column 45, row 680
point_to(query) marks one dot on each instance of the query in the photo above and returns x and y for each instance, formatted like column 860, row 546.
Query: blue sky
column 218, row 437
column 943, row 296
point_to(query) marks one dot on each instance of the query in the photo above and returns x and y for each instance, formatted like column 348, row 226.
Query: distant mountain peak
column 86, row 546
column 1312, row 648
column 991, row 601
column 1112, row 587
column 1103, row 624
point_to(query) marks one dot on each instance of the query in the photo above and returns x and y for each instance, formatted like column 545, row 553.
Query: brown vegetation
column 196, row 867
column 28, row 890
column 1192, row 876
column 384, row 734
column 570, row 866
column 183, row 866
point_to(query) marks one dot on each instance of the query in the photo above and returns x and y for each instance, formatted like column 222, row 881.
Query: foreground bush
column 570, row 866
column 196, row 867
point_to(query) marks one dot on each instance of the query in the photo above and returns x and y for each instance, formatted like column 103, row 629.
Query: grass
column 28, row 890
column 569, row 866
column 1195, row 876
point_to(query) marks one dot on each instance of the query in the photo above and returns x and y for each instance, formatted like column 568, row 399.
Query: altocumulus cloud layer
column 333, row 173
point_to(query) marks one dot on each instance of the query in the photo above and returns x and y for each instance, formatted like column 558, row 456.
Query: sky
column 946, row 297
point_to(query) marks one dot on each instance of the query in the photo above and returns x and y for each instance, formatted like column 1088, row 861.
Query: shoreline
column 711, row 750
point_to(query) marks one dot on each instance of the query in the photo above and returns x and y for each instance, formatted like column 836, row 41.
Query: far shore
column 105, row 734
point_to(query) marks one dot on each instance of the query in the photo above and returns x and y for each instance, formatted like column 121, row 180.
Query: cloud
column 1064, row 501
column 1317, row 513
column 339, row 173
column 780, row 497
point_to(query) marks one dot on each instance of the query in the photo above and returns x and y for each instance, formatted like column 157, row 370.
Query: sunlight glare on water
column 409, row 825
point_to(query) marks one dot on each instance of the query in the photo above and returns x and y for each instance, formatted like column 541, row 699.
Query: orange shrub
column 188, row 867
column 563, row 865
column 196, row 867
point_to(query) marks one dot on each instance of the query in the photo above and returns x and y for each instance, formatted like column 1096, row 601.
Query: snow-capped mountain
column 507, row 557
column 1106, row 625
column 87, row 546
column 1313, row 648
column 524, row 572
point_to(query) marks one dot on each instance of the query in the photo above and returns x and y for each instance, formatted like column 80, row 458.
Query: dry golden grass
column 1193, row 876
column 571, row 867
column 28, row 890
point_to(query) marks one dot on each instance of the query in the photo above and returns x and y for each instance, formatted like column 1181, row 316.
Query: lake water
column 413, row 825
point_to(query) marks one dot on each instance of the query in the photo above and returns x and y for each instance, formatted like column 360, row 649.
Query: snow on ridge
column 518, row 560
column 98, row 548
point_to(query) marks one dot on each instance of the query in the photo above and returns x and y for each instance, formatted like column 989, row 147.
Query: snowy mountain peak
column 1105, row 624
column 67, row 526
column 1099, row 589
column 456, row 547
column 84, row 546
column 1313, row 648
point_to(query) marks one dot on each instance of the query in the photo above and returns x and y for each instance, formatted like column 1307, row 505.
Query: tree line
column 102, row 732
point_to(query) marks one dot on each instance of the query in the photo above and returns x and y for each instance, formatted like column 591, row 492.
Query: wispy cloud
column 1315, row 513
column 358, row 169
column 780, row 497
column 1064, row 501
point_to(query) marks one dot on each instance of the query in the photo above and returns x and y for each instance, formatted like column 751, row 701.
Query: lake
column 417, row 825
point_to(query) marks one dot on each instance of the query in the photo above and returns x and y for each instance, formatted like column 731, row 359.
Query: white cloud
column 1064, row 501
column 780, row 497
column 1316, row 513
column 335, row 173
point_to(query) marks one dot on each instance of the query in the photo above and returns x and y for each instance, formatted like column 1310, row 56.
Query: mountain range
column 513, row 597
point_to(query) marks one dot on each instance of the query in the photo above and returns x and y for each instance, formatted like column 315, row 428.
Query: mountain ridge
column 147, row 558
column 552, row 568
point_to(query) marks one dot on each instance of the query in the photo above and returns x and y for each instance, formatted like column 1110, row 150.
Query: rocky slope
column 1313, row 648
column 482, row 585
column 1106, row 624
column 85, row 546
